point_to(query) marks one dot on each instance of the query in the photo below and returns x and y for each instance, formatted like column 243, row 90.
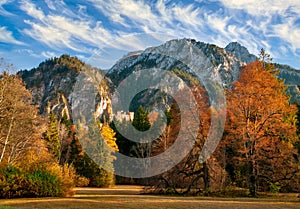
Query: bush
column 81, row 181
column 14, row 183
column 102, row 179
column 38, row 183
column 68, row 180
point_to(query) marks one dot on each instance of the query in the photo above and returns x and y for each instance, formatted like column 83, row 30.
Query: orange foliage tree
column 261, row 127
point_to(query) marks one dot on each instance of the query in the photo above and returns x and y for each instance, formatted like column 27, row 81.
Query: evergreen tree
column 52, row 136
column 141, row 120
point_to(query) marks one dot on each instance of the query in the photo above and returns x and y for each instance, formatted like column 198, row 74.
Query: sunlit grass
column 129, row 197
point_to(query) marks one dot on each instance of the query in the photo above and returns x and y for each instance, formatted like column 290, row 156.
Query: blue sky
column 102, row 31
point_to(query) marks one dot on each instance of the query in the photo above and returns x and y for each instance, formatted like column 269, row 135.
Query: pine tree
column 52, row 136
column 141, row 120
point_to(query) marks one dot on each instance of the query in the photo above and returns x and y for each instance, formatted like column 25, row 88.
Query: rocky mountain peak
column 212, row 61
column 240, row 52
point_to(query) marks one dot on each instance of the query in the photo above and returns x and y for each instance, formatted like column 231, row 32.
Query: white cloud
column 129, row 13
column 61, row 7
column 289, row 33
column 263, row 7
column 218, row 23
column 151, row 17
column 31, row 10
column 188, row 15
column 50, row 4
column 48, row 54
column 6, row 36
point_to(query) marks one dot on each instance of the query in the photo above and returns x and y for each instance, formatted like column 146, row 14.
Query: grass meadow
column 122, row 197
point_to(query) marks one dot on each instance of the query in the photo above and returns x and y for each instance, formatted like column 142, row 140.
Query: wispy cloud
column 129, row 25
column 6, row 36
column 271, row 20
column 60, row 32
column 2, row 10
column 130, row 13
column 288, row 32
column 30, row 52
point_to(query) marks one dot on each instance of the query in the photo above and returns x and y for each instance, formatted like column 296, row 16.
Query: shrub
column 67, row 180
column 38, row 183
column 102, row 179
column 81, row 181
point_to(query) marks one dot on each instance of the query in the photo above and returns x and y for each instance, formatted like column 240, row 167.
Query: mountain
column 53, row 81
column 177, row 54
column 211, row 63
column 291, row 78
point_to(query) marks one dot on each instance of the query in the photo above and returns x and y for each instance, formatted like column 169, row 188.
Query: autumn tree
column 190, row 175
column 108, row 135
column 19, row 120
column 298, row 129
column 261, row 127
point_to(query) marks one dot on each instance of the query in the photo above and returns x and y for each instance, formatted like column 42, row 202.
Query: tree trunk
column 206, row 177
column 252, row 180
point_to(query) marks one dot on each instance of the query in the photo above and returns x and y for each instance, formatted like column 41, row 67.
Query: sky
column 100, row 32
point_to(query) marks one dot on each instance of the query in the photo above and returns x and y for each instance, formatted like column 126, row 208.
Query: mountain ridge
column 52, row 81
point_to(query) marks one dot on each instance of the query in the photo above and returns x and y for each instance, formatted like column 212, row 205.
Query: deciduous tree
column 19, row 120
column 261, row 126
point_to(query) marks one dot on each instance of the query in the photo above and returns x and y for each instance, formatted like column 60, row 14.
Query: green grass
column 129, row 197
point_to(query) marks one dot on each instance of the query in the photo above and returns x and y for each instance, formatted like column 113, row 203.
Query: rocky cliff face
column 240, row 52
column 52, row 84
column 178, row 54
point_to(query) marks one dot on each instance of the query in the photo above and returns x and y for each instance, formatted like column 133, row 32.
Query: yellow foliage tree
column 109, row 136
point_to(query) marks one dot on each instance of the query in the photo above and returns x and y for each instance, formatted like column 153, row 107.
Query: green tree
column 141, row 121
column 52, row 136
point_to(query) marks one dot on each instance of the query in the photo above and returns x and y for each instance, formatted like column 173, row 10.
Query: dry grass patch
column 131, row 197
